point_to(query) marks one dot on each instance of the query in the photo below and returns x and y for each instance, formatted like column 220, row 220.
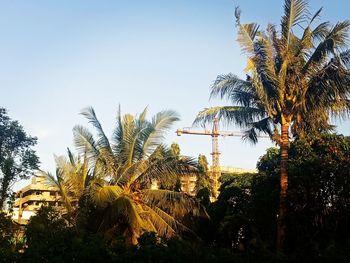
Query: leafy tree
column 122, row 170
column 293, row 83
column 203, row 183
column 17, row 157
column 319, row 196
column 7, row 239
column 50, row 239
column 243, row 213
column 202, row 164
column 175, row 149
column 173, row 250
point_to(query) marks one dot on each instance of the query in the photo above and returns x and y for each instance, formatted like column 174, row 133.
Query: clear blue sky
column 57, row 57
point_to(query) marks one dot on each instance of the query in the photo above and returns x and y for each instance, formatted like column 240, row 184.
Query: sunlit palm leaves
column 71, row 178
column 123, row 168
column 288, row 77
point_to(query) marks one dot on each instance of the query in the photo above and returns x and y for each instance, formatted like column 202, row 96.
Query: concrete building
column 234, row 170
column 31, row 197
column 188, row 182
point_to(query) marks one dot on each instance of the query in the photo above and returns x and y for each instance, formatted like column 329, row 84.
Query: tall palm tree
column 123, row 170
column 294, row 83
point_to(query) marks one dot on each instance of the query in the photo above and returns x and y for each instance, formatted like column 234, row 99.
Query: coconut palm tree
column 123, row 170
column 71, row 178
column 294, row 83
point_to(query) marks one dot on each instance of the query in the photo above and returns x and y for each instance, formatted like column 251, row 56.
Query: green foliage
column 319, row 195
column 7, row 239
column 204, row 183
column 202, row 164
column 242, row 225
column 244, row 213
column 269, row 162
column 68, row 245
column 49, row 239
column 17, row 158
column 11, row 201
column 177, row 187
column 203, row 195
column 320, row 192
column 71, row 178
column 174, row 250
column 243, row 180
column 175, row 149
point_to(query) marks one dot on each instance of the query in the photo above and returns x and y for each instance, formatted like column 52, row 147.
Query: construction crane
column 214, row 133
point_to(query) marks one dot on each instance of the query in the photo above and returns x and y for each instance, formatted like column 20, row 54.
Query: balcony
column 37, row 187
column 38, row 198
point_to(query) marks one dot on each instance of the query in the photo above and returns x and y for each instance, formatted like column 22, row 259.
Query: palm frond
column 71, row 157
column 294, row 14
column 84, row 141
column 333, row 40
column 176, row 204
column 103, row 194
column 246, row 34
column 129, row 173
column 165, row 224
column 321, row 31
column 124, row 144
column 118, row 133
column 265, row 68
column 345, row 58
column 239, row 115
column 315, row 16
column 256, row 128
column 122, row 212
column 166, row 169
column 59, row 182
column 90, row 114
column 229, row 86
column 160, row 124
column 155, row 218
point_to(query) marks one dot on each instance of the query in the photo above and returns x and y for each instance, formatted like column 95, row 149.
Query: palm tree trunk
column 281, row 218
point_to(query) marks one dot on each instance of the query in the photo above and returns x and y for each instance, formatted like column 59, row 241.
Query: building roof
column 37, row 183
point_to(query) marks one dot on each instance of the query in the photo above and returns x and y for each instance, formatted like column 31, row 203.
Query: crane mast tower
column 214, row 133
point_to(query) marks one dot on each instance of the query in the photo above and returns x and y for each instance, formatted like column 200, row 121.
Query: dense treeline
column 241, row 227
